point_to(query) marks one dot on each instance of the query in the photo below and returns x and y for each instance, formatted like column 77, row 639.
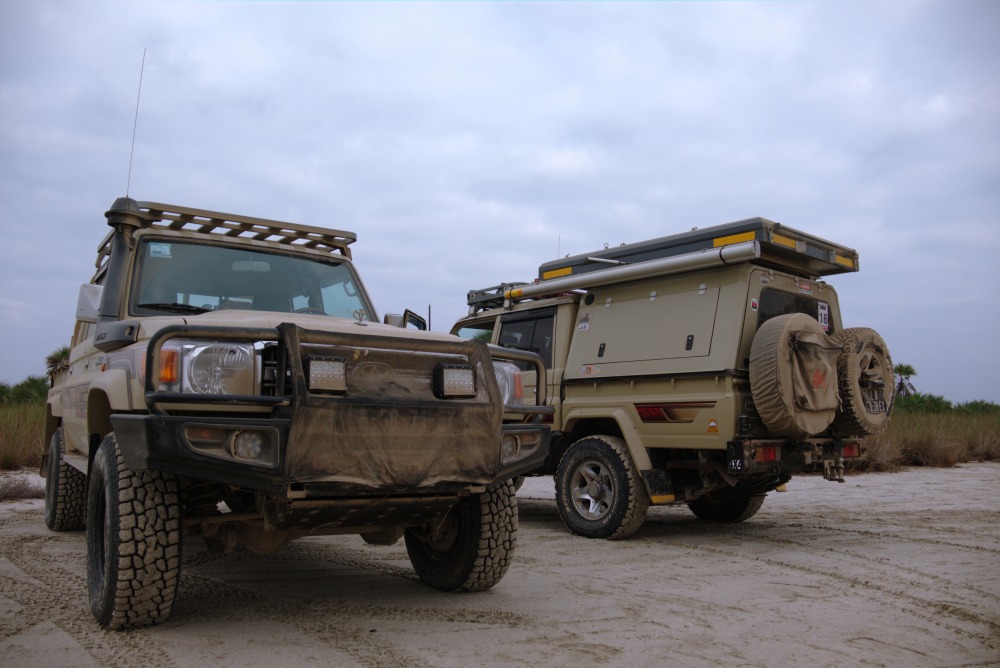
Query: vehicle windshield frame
column 209, row 276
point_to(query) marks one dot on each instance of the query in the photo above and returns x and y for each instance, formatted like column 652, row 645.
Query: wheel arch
column 52, row 422
column 98, row 414
column 582, row 422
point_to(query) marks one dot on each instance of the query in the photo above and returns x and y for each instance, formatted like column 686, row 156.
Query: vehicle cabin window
column 534, row 335
column 775, row 302
column 479, row 332
column 181, row 277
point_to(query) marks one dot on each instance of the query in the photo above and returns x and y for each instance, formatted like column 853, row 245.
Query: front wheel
column 133, row 541
column 472, row 548
column 65, row 489
column 731, row 509
column 598, row 491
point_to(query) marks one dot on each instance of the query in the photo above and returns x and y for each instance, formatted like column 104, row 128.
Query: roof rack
column 492, row 297
column 153, row 215
column 781, row 248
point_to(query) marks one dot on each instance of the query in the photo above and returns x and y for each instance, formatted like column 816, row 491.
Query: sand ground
column 897, row 569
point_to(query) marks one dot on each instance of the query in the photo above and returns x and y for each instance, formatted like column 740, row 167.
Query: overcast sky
column 466, row 143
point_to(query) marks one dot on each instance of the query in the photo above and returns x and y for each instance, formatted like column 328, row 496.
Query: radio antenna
column 135, row 123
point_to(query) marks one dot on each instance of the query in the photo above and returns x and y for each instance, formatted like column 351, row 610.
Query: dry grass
column 14, row 487
column 22, row 428
column 922, row 439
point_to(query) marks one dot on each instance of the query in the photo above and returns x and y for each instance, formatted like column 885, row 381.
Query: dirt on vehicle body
column 702, row 368
column 229, row 378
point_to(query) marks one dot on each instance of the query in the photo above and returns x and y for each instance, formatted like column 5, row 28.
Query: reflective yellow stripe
column 662, row 498
column 783, row 241
column 556, row 273
column 733, row 239
column 846, row 261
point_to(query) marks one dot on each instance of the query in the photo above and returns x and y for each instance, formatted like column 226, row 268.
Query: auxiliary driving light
column 509, row 447
column 327, row 374
column 454, row 381
column 248, row 444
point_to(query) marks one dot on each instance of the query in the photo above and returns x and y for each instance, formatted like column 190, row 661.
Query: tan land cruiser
column 229, row 379
column 702, row 368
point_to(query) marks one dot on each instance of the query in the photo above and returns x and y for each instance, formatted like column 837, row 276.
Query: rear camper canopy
column 781, row 248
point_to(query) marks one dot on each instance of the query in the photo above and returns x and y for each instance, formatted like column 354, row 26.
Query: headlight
column 509, row 380
column 207, row 367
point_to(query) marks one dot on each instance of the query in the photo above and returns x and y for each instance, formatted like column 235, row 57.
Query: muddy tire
column 866, row 383
column 732, row 509
column 598, row 491
column 65, row 490
column 133, row 541
column 474, row 547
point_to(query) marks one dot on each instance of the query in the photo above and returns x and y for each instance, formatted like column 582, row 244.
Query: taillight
column 852, row 450
column 768, row 453
column 650, row 413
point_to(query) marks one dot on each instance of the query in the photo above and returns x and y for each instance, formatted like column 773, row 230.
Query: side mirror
column 88, row 304
column 409, row 320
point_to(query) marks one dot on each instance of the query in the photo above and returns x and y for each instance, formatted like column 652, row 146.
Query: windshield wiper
column 175, row 307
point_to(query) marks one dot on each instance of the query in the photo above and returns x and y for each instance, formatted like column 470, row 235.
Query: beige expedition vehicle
column 229, row 379
column 703, row 368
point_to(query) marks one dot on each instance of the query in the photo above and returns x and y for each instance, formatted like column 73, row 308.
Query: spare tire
column 793, row 376
column 866, row 383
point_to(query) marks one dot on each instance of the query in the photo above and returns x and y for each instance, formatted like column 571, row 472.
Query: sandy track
column 885, row 570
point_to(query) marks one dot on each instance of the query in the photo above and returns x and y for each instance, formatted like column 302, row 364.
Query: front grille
column 273, row 370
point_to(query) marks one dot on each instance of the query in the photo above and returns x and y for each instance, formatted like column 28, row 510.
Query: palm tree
column 56, row 359
column 904, row 388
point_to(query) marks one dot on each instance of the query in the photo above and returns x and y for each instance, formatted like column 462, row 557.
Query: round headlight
column 221, row 368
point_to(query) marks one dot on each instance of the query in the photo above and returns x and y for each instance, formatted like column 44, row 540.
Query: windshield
column 182, row 277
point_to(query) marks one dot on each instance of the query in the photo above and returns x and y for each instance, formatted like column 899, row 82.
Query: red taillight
column 768, row 453
column 650, row 413
column 852, row 450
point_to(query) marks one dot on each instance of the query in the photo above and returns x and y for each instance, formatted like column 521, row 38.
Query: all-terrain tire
column 133, row 541
column 476, row 546
column 731, row 509
column 866, row 383
column 598, row 491
column 65, row 489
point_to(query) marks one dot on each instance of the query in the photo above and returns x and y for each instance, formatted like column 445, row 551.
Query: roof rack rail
column 492, row 297
column 172, row 217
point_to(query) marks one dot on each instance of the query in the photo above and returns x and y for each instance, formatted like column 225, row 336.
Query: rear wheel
column 598, row 491
column 133, row 541
column 473, row 547
column 731, row 509
column 65, row 489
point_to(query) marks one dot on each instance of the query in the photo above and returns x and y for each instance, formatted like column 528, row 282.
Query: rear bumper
column 759, row 457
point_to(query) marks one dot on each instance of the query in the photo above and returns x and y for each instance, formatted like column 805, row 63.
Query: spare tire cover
column 793, row 376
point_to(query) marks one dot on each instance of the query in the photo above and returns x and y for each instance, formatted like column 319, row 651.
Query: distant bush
column 33, row 389
column 978, row 408
column 922, row 403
